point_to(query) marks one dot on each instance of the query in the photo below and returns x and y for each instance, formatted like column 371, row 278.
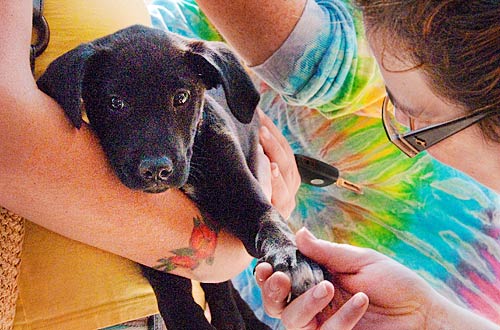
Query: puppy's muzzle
column 155, row 172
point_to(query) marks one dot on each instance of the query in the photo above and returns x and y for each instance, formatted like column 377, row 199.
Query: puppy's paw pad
column 304, row 276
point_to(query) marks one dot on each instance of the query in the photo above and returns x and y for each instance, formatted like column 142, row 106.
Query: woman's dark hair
column 455, row 42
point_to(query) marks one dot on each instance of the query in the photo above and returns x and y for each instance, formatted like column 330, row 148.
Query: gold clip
column 349, row 186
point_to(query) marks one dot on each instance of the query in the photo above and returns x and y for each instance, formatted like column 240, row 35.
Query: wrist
column 437, row 312
column 443, row 314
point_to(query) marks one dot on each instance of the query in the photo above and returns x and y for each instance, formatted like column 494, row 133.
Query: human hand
column 264, row 172
column 310, row 310
column 285, row 177
column 399, row 298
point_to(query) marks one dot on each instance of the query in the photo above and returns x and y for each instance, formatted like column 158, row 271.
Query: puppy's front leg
column 223, row 184
column 241, row 208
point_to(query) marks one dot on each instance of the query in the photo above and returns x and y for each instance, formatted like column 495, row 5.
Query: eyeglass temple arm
column 429, row 136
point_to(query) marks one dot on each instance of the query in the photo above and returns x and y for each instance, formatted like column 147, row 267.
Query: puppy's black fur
column 152, row 99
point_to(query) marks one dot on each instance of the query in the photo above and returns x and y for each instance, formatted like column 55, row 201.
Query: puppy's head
column 142, row 90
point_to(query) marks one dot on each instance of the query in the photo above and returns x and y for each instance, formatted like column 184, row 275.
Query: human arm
column 399, row 298
column 311, row 52
column 57, row 176
column 255, row 29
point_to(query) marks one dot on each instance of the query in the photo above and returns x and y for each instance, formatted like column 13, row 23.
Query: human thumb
column 340, row 258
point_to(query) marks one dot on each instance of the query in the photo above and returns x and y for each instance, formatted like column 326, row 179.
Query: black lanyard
column 41, row 31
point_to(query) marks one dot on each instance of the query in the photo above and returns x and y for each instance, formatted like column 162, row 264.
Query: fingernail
column 308, row 233
column 275, row 170
column 320, row 291
column 359, row 300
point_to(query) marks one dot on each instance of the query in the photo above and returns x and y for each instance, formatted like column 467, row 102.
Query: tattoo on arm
column 201, row 248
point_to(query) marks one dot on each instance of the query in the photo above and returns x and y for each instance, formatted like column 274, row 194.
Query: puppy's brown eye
column 181, row 98
column 115, row 103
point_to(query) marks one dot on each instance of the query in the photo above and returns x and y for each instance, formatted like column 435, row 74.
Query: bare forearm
column 58, row 177
column 255, row 29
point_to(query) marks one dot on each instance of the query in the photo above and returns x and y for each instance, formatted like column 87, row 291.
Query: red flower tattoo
column 202, row 246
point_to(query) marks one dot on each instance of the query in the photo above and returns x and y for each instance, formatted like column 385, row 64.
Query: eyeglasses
column 410, row 141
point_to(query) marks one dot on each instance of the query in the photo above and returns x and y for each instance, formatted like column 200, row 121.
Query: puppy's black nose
column 155, row 169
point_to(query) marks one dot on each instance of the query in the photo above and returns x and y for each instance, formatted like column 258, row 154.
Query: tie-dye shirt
column 323, row 65
column 322, row 89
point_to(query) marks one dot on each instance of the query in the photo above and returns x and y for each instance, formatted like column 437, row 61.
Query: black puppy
column 150, row 98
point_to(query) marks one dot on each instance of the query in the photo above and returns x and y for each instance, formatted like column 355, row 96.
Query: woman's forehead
column 410, row 90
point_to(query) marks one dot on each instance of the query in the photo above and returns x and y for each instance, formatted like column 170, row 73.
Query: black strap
column 37, row 7
column 42, row 32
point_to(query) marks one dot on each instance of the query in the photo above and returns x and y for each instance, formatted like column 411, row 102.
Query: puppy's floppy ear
column 218, row 65
column 63, row 80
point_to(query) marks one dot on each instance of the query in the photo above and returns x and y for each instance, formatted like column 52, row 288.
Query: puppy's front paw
column 303, row 272
column 305, row 275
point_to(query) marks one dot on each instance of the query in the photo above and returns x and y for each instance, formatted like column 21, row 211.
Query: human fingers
column 274, row 185
column 264, row 174
column 282, row 198
column 262, row 272
column 279, row 151
column 337, row 258
column 275, row 289
column 274, row 130
column 349, row 314
column 285, row 178
column 301, row 313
